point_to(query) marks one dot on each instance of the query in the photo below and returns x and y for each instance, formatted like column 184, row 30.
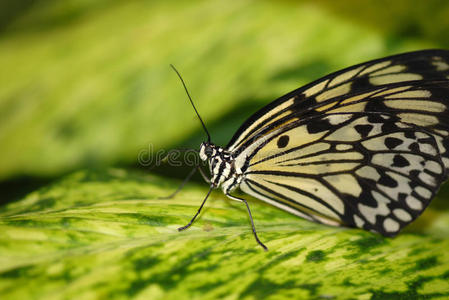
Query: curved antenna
column 191, row 101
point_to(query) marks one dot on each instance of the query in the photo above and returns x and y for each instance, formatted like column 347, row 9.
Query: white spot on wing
column 410, row 94
column 442, row 132
column 343, row 147
column 358, row 221
column 368, row 172
column 344, row 76
column 360, row 97
column 427, row 178
column 375, row 67
column 392, row 91
column 430, row 106
column 391, row 225
column 433, row 167
column 440, row 64
column 423, row 192
column 345, row 183
column 428, row 149
column 413, row 203
column 392, row 78
column 379, row 197
column 402, row 186
column 370, row 213
column 315, row 89
column 402, row 215
column 392, row 69
column 334, row 92
column 338, row 119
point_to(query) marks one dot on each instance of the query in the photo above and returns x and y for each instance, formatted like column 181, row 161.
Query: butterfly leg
column 198, row 212
column 181, row 186
column 187, row 180
column 251, row 218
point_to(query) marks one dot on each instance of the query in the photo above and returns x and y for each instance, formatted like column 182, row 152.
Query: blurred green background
column 86, row 84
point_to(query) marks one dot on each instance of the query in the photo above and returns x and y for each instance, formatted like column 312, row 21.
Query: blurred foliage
column 105, row 235
column 87, row 84
column 11, row 9
column 398, row 20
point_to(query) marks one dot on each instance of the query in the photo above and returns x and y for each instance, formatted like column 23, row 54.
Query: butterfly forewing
column 354, row 85
column 365, row 147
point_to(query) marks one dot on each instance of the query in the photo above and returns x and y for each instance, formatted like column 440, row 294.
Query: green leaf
column 107, row 235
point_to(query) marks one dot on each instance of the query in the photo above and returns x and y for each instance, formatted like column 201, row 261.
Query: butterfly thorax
column 221, row 166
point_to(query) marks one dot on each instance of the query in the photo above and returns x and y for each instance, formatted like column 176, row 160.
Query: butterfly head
column 208, row 150
column 221, row 166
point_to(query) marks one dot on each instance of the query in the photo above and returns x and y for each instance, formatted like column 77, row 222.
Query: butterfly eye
column 208, row 151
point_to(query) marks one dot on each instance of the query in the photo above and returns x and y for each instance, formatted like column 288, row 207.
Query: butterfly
column 364, row 147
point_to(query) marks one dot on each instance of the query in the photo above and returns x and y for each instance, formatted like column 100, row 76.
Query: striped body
column 364, row 147
column 222, row 167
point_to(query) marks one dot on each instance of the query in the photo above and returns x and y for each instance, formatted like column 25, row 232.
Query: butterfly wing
column 367, row 171
column 364, row 147
column 353, row 88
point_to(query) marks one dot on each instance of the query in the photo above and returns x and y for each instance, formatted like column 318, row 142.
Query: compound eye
column 208, row 151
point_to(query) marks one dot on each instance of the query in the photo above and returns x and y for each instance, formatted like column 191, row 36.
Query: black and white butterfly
column 363, row 147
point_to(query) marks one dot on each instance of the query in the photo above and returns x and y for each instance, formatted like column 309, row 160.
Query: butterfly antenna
column 191, row 101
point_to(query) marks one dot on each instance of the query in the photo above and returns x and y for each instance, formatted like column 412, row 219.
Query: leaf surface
column 107, row 235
